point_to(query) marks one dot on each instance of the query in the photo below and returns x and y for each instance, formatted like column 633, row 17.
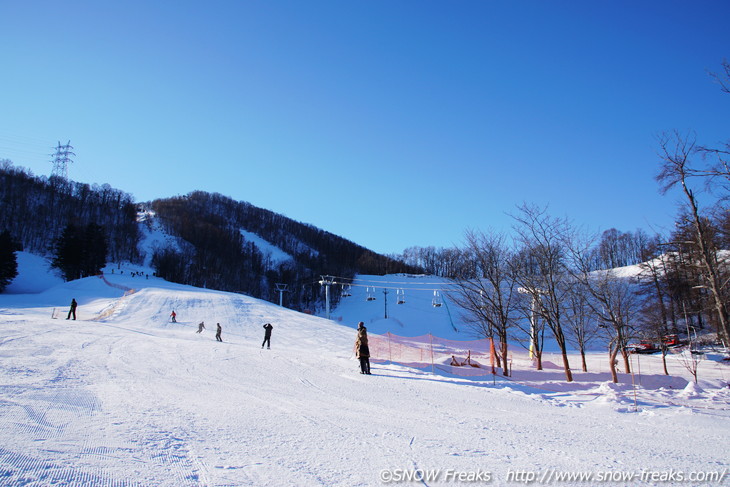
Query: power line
column 376, row 284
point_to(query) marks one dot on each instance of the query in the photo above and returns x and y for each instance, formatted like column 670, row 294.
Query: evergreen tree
column 95, row 250
column 69, row 253
column 80, row 252
column 8, row 259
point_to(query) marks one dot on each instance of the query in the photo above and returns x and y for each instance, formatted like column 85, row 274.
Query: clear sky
column 391, row 123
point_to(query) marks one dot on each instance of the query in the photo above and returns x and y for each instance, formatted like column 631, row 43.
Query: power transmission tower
column 61, row 159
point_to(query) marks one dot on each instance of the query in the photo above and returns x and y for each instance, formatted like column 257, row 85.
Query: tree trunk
column 627, row 364
column 566, row 363
column 503, row 349
column 566, row 366
column 583, row 359
column 560, row 338
column 612, row 363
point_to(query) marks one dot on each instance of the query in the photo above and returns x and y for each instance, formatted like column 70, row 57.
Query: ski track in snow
column 134, row 400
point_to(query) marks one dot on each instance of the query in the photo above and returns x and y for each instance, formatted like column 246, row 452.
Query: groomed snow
column 124, row 397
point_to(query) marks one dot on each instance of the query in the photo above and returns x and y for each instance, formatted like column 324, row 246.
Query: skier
column 72, row 311
column 267, row 335
column 172, row 316
column 201, row 326
column 362, row 351
column 218, row 332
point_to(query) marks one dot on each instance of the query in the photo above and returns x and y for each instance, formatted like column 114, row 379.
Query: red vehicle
column 644, row 346
column 671, row 341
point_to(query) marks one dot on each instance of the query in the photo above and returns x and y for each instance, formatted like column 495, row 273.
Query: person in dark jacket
column 362, row 351
column 201, row 327
column 72, row 311
column 218, row 332
column 267, row 335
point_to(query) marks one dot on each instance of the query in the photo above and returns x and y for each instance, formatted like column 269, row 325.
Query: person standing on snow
column 172, row 316
column 72, row 311
column 201, row 326
column 218, row 332
column 362, row 351
column 267, row 335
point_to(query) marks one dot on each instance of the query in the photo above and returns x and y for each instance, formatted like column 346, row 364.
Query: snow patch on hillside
column 154, row 236
column 268, row 249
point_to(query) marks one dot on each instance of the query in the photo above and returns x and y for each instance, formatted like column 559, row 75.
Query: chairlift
column 482, row 300
column 437, row 301
column 401, row 296
column 346, row 290
column 371, row 294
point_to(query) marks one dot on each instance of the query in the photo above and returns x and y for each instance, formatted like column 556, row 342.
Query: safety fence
column 106, row 313
column 458, row 357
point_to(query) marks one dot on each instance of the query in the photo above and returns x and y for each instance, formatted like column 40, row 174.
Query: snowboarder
column 218, row 333
column 201, row 326
column 267, row 335
column 362, row 351
column 172, row 316
column 72, row 311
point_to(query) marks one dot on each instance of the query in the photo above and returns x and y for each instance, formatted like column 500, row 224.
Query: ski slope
column 123, row 397
column 416, row 315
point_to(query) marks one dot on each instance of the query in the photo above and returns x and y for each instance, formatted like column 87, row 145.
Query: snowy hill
column 416, row 313
column 124, row 397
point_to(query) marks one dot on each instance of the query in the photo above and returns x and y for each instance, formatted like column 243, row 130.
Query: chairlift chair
column 482, row 301
column 437, row 302
column 401, row 295
column 346, row 290
column 371, row 294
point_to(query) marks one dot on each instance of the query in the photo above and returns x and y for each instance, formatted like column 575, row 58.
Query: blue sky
column 390, row 123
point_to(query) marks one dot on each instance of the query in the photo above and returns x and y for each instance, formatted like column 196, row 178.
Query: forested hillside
column 216, row 254
column 210, row 249
column 36, row 210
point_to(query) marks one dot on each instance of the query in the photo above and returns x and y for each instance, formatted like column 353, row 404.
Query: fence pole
column 390, row 355
column 431, row 339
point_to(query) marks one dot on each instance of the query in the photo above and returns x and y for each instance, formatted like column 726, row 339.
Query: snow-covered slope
column 416, row 315
column 122, row 396
column 274, row 253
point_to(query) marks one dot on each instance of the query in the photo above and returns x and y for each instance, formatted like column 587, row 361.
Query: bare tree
column 611, row 299
column 547, row 281
column 580, row 320
column 488, row 296
column 653, row 286
column 616, row 305
column 676, row 151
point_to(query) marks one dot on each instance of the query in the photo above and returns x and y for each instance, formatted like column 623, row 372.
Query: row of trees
column 84, row 226
column 551, row 280
column 614, row 249
column 80, row 252
column 36, row 210
column 212, row 252
column 541, row 284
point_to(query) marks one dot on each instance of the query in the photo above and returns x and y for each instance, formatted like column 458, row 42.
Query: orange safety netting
column 467, row 357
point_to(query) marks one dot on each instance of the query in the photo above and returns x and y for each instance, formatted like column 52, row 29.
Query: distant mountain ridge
column 210, row 240
column 216, row 232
